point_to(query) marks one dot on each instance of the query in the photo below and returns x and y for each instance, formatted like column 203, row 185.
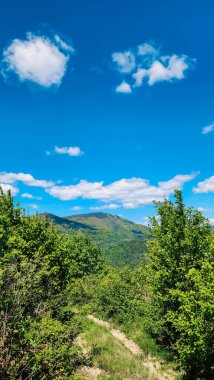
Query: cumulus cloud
column 169, row 69
column 130, row 192
column 209, row 128
column 124, row 87
column 30, row 196
column 37, row 59
column 74, row 151
column 206, row 186
column 5, row 187
column 27, row 179
column 146, row 65
column 124, row 61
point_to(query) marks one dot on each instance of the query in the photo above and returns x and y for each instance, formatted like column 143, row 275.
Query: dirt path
column 150, row 363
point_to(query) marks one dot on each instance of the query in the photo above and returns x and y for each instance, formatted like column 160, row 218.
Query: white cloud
column 27, row 179
column 124, row 87
column 111, row 206
column 209, row 128
column 130, row 192
column 139, row 76
column 147, row 49
column 166, row 69
column 63, row 44
column 76, row 208
column 169, row 69
column 144, row 222
column 5, row 187
column 125, row 61
column 203, row 209
column 47, row 152
column 33, row 205
column 37, row 59
column 149, row 66
column 206, row 186
column 211, row 220
column 30, row 196
column 74, row 151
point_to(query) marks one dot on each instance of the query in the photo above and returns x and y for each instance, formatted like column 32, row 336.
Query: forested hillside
column 60, row 301
column 123, row 242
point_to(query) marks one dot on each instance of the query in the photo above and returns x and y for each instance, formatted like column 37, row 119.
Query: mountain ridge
column 122, row 241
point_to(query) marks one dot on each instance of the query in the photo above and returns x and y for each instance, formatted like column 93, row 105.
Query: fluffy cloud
column 37, row 59
column 30, row 196
column 70, row 150
column 169, row 69
column 146, row 65
column 5, row 187
column 209, row 128
column 27, row 179
column 206, row 186
column 124, row 61
column 124, row 87
column 131, row 192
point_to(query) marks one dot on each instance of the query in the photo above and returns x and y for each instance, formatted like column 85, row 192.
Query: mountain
column 122, row 241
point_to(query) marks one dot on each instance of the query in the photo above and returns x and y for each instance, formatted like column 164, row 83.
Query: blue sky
column 107, row 105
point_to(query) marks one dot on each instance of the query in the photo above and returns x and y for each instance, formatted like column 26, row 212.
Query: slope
column 122, row 241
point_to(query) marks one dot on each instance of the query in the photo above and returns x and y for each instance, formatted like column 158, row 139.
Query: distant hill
column 122, row 241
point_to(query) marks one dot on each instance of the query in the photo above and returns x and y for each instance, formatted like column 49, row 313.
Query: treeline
column 49, row 281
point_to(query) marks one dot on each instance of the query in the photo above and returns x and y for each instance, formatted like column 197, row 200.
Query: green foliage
column 129, row 253
column 50, row 352
column 180, row 281
column 37, row 325
column 119, row 295
column 48, row 280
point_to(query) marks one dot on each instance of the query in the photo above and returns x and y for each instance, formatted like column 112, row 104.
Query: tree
column 180, row 295
column 37, row 324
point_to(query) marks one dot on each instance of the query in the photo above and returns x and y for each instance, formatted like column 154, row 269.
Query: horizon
column 92, row 213
column 107, row 106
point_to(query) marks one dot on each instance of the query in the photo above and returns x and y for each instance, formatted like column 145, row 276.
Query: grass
column 117, row 362
column 136, row 332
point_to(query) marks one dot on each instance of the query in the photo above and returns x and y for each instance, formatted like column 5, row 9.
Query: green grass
column 117, row 362
column 136, row 332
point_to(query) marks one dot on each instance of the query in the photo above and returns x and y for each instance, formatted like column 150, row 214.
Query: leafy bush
column 120, row 294
column 180, row 278
column 37, row 325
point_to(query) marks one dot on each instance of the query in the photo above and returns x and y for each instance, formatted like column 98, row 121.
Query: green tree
column 180, row 283
column 37, row 324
